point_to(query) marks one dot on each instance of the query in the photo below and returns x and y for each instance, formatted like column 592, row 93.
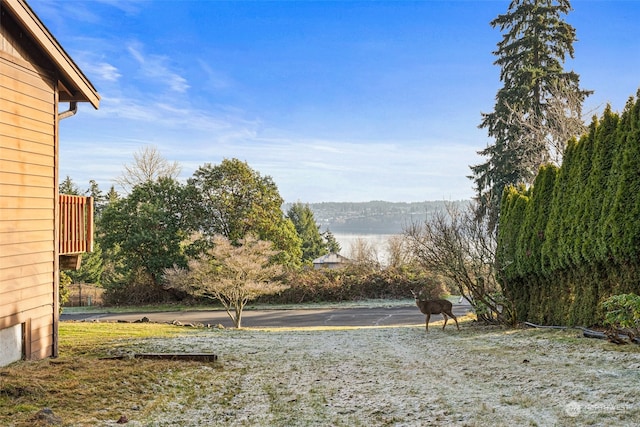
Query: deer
column 435, row 306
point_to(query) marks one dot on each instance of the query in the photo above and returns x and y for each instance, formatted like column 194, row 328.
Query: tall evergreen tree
column 112, row 195
column 91, row 268
column 535, row 44
column 67, row 186
column 595, row 192
column 625, row 210
column 313, row 245
column 333, row 246
column 99, row 199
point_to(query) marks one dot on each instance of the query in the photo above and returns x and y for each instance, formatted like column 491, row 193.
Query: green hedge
column 572, row 240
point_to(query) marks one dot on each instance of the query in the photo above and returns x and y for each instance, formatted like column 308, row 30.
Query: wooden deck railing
column 76, row 224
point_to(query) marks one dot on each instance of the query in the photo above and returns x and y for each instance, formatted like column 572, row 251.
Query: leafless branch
column 148, row 165
column 461, row 248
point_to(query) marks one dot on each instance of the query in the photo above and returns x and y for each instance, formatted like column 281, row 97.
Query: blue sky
column 335, row 100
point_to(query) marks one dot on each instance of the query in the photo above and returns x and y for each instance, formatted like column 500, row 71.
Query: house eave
column 76, row 86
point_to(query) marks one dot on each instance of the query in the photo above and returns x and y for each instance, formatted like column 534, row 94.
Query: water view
column 378, row 242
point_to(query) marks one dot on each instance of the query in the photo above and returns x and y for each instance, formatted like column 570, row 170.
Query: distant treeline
column 375, row 217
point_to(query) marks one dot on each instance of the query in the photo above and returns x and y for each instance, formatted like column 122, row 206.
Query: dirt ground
column 398, row 376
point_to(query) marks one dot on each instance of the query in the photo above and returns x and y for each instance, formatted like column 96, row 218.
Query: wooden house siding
column 28, row 265
column 36, row 74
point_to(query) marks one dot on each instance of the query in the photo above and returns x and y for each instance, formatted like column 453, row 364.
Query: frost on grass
column 399, row 377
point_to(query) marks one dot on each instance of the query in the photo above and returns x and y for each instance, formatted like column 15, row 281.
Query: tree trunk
column 238, row 319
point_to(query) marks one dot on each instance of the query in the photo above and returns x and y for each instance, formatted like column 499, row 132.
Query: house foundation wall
column 11, row 344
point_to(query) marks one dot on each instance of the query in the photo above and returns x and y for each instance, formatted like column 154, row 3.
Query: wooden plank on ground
column 193, row 357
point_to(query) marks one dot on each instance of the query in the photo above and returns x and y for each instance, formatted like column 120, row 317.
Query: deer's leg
column 426, row 323
column 454, row 318
column 444, row 316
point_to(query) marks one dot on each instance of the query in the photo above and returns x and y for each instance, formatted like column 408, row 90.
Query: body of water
column 379, row 242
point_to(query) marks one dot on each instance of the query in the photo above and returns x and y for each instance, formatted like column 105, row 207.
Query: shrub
column 354, row 283
column 623, row 312
column 65, row 282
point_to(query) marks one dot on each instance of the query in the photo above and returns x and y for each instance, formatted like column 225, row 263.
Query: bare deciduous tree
column 364, row 254
column 148, row 165
column 232, row 275
column 398, row 251
column 550, row 133
column 457, row 246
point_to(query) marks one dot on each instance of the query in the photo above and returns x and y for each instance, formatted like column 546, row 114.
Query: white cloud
column 304, row 168
column 130, row 7
column 149, row 116
column 335, row 170
column 215, row 79
column 60, row 13
column 155, row 67
column 103, row 71
column 125, row 108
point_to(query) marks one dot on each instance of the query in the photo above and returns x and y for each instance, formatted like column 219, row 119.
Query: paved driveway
column 378, row 316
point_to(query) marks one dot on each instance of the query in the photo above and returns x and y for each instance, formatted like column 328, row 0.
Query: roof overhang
column 75, row 86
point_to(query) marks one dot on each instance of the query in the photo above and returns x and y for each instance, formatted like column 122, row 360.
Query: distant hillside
column 376, row 217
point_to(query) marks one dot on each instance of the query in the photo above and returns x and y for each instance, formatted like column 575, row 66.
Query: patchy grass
column 81, row 388
column 396, row 376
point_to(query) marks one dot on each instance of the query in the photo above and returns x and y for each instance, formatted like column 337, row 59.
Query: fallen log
column 198, row 357
column 615, row 338
column 588, row 333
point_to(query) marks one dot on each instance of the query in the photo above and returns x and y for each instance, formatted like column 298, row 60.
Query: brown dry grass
column 79, row 386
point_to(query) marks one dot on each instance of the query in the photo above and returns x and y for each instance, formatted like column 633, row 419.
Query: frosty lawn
column 402, row 377
column 396, row 376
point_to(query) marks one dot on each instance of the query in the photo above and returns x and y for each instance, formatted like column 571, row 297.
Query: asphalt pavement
column 374, row 316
